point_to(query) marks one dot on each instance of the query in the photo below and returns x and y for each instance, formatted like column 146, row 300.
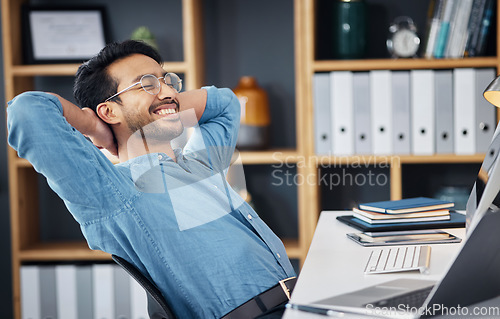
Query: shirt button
column 160, row 157
column 277, row 254
column 249, row 216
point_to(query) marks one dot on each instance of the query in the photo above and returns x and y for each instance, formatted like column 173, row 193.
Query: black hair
column 93, row 84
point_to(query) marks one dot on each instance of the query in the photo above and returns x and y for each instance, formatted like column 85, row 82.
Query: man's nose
column 166, row 91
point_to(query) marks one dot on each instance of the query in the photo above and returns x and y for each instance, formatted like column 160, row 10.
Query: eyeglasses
column 152, row 85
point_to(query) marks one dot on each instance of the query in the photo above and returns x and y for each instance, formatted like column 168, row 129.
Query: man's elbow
column 233, row 103
column 29, row 104
column 24, row 112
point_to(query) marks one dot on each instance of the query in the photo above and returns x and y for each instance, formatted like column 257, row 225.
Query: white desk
column 335, row 264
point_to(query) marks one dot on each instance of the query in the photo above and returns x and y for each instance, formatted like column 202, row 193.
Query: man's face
column 156, row 114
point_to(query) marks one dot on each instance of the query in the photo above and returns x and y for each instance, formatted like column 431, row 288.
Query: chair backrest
column 157, row 306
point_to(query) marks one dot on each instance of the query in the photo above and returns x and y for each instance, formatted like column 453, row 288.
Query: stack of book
column 419, row 209
column 457, row 28
column 422, row 112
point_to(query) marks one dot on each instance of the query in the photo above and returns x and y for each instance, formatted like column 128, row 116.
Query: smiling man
column 169, row 212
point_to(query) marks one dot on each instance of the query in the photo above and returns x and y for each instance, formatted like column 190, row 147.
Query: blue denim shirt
column 178, row 222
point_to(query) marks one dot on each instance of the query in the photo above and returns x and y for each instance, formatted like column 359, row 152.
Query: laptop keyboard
column 412, row 299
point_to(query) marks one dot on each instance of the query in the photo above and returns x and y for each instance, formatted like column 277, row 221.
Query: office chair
column 157, row 306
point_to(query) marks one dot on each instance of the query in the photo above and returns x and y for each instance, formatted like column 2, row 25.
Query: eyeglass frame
column 140, row 82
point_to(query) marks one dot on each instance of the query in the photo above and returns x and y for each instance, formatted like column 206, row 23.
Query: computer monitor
column 485, row 193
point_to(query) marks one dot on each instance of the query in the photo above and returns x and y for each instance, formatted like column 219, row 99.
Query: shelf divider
column 61, row 251
column 402, row 64
column 70, row 69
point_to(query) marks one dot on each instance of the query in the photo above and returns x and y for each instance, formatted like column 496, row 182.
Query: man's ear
column 108, row 113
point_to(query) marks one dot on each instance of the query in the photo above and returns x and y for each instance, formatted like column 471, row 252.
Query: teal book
column 408, row 205
column 445, row 28
column 442, row 40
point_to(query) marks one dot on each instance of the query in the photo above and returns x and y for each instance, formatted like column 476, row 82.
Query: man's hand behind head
column 101, row 135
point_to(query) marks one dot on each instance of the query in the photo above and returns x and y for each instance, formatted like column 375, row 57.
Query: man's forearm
column 81, row 119
column 88, row 123
column 194, row 99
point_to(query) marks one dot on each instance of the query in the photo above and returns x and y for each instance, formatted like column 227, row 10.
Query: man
column 167, row 211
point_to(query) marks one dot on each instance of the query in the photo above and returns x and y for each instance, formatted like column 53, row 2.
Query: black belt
column 274, row 296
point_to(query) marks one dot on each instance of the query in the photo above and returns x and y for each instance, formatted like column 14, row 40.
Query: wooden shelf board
column 437, row 159
column 292, row 157
column 175, row 66
column 70, row 69
column 402, row 64
column 45, row 69
column 61, row 251
column 247, row 157
column 276, row 156
column 79, row 251
column 363, row 160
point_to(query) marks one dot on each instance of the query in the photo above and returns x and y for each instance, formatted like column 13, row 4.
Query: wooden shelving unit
column 306, row 65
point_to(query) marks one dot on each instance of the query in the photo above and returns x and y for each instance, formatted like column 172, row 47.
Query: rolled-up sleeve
column 220, row 124
column 75, row 169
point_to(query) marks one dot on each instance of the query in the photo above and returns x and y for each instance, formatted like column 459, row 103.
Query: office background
column 241, row 38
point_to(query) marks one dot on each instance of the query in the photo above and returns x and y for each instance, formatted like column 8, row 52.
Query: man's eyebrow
column 138, row 78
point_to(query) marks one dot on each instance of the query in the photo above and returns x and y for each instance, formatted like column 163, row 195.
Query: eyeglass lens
column 151, row 83
column 173, row 80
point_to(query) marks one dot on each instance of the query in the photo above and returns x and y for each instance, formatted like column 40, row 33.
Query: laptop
column 473, row 277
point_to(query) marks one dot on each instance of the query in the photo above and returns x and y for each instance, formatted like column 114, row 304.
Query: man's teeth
column 166, row 111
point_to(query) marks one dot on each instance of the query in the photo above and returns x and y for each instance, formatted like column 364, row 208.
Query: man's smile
column 167, row 110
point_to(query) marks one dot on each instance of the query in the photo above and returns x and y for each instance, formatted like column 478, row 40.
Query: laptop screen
column 473, row 276
column 485, row 192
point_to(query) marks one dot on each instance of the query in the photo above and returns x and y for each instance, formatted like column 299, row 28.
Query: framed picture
column 63, row 34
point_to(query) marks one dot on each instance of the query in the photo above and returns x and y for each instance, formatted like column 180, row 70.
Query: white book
column 381, row 111
column 48, row 296
column 66, row 287
column 445, row 29
column 138, row 301
column 401, row 112
column 103, row 297
column 30, row 292
column 85, row 291
column 458, row 35
column 121, row 280
column 422, row 112
column 342, row 113
column 434, row 28
column 464, row 115
column 443, row 81
column 362, row 116
column 400, row 220
column 322, row 124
